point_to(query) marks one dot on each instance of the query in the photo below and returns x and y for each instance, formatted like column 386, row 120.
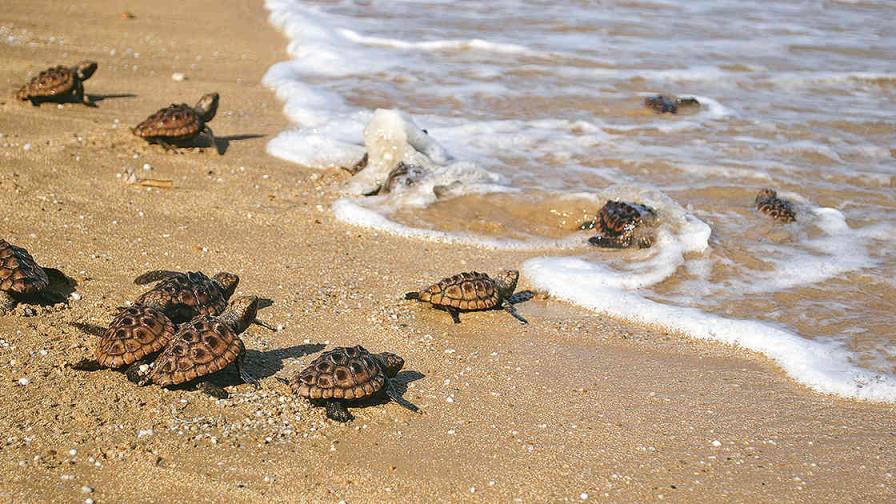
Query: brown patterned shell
column 136, row 332
column 51, row 82
column 201, row 347
column 176, row 122
column 768, row 203
column 185, row 295
column 342, row 373
column 19, row 273
column 618, row 217
column 465, row 291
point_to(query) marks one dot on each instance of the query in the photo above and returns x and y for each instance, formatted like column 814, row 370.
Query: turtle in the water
column 346, row 374
column 178, row 125
column 134, row 336
column 473, row 291
column 205, row 345
column 182, row 296
column 622, row 224
column 23, row 280
column 59, row 84
column 781, row 210
column 664, row 104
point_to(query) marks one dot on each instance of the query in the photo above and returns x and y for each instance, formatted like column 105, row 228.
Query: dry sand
column 573, row 406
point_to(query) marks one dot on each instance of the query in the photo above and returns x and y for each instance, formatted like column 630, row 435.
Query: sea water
column 525, row 117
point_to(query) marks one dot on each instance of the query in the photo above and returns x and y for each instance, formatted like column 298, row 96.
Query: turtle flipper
column 412, row 295
column 154, row 276
column 511, row 310
column 455, row 315
column 7, row 302
column 520, row 297
column 244, row 375
column 212, row 390
column 211, row 137
column 338, row 412
column 393, row 394
column 134, row 375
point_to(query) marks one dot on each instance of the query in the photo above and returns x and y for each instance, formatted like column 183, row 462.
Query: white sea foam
column 824, row 366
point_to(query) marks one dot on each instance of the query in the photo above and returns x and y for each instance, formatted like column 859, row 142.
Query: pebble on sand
column 178, row 76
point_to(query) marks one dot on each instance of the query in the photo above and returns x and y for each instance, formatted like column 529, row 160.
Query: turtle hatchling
column 182, row 296
column 205, row 345
column 473, row 291
column 349, row 374
column 664, row 104
column 622, row 224
column 22, row 280
column 179, row 125
column 59, row 84
column 781, row 210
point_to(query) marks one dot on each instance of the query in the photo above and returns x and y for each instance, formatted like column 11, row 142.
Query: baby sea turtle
column 182, row 296
column 472, row 291
column 205, row 345
column 622, row 224
column 59, row 84
column 23, row 280
column 781, row 210
column 663, row 104
column 134, row 336
column 179, row 125
column 346, row 374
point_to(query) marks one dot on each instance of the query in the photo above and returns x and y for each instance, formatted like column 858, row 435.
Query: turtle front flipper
column 212, row 390
column 393, row 394
column 337, row 411
column 508, row 307
column 455, row 315
column 211, row 138
column 154, row 276
column 7, row 302
column 80, row 96
column 244, row 375
column 136, row 375
column 607, row 242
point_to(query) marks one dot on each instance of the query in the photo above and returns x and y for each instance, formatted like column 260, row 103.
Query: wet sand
column 572, row 406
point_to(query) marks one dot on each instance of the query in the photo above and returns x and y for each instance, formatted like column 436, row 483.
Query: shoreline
column 573, row 404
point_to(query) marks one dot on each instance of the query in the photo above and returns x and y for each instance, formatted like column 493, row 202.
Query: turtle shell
column 19, row 273
column 201, row 347
column 136, row 332
column 342, row 373
column 176, row 122
column 465, row 291
column 51, row 82
column 768, row 203
column 182, row 296
column 617, row 218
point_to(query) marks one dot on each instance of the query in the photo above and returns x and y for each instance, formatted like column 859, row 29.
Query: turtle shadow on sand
column 221, row 144
column 58, row 290
column 96, row 98
column 267, row 363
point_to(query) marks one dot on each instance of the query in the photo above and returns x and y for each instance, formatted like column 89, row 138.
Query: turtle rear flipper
column 7, row 302
column 337, row 411
column 212, row 390
column 412, row 295
column 154, row 276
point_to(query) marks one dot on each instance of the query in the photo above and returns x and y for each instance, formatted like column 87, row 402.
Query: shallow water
column 544, row 100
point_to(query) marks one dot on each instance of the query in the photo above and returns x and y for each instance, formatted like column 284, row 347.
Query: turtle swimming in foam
column 59, row 84
column 179, row 125
column 622, row 224
column 781, row 210
column 344, row 375
column 473, row 291
column 667, row 104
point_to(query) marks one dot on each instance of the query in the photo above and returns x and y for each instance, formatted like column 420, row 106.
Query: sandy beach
column 572, row 407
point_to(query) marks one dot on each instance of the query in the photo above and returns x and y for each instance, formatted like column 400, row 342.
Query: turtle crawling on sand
column 666, row 104
column 179, row 125
column 781, row 210
column 59, row 84
column 22, row 280
column 205, row 345
column 621, row 224
column 340, row 376
column 182, row 296
column 472, row 291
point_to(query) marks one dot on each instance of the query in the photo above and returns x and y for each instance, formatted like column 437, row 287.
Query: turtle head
column 241, row 313
column 207, row 106
column 228, row 283
column 85, row 69
column 391, row 363
column 766, row 194
column 507, row 282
